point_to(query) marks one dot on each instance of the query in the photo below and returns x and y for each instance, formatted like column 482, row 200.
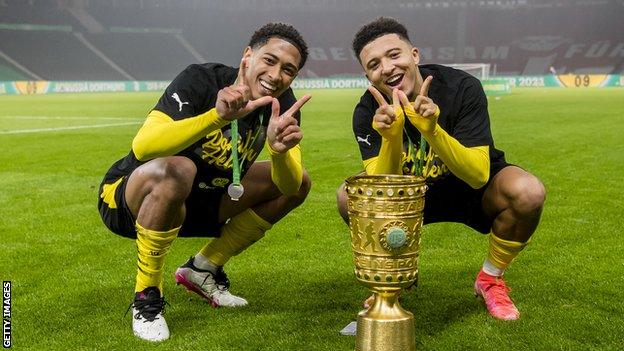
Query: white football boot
column 148, row 322
column 213, row 287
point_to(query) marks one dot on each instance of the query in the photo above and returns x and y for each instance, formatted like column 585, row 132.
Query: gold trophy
column 385, row 219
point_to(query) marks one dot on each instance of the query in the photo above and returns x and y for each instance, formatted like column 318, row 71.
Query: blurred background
column 155, row 39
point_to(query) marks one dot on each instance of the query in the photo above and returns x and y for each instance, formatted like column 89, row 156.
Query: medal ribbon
column 419, row 162
column 236, row 165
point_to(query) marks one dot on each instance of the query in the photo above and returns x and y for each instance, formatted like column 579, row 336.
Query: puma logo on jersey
column 364, row 140
column 176, row 97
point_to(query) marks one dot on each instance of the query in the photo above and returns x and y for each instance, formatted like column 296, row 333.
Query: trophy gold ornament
column 385, row 220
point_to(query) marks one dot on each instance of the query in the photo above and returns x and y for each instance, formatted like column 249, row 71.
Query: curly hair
column 282, row 31
column 375, row 29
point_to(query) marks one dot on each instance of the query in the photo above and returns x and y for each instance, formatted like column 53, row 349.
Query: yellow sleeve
column 470, row 164
column 390, row 158
column 370, row 165
column 286, row 169
column 161, row 136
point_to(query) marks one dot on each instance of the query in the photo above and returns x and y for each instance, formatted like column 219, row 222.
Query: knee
column 341, row 201
column 172, row 178
column 306, row 185
column 529, row 195
column 304, row 189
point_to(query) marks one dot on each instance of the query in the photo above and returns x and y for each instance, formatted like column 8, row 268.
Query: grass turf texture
column 72, row 279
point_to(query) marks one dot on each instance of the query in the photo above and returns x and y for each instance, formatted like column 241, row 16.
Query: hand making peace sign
column 423, row 113
column 234, row 101
column 283, row 132
column 388, row 120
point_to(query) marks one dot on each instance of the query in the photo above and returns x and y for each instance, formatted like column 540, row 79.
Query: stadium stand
column 155, row 39
column 55, row 55
column 145, row 56
column 7, row 72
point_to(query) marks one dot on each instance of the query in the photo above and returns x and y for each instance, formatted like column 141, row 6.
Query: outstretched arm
column 161, row 136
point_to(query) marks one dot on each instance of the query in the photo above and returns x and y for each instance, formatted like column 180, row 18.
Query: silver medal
column 235, row 191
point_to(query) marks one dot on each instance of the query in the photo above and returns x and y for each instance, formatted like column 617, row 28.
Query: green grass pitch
column 73, row 280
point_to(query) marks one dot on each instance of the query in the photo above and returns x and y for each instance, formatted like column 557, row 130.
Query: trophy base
column 385, row 326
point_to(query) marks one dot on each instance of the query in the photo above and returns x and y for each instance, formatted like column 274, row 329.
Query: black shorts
column 201, row 220
column 452, row 200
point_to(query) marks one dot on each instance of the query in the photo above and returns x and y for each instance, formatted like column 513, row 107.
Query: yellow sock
column 152, row 247
column 238, row 234
column 500, row 254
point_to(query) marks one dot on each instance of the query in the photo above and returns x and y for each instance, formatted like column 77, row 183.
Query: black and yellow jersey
column 463, row 115
column 192, row 93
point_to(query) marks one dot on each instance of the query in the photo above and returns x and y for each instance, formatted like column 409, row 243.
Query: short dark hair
column 375, row 29
column 282, row 31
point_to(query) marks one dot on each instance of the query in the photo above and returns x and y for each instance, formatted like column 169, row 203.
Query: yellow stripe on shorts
column 108, row 193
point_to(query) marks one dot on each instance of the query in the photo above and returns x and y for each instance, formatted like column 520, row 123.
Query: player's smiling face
column 391, row 62
column 271, row 67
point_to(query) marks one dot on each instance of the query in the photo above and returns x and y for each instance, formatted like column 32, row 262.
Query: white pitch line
column 40, row 130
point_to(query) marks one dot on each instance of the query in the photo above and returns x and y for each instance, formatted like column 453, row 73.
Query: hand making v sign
column 283, row 132
column 234, row 101
column 388, row 120
column 423, row 113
